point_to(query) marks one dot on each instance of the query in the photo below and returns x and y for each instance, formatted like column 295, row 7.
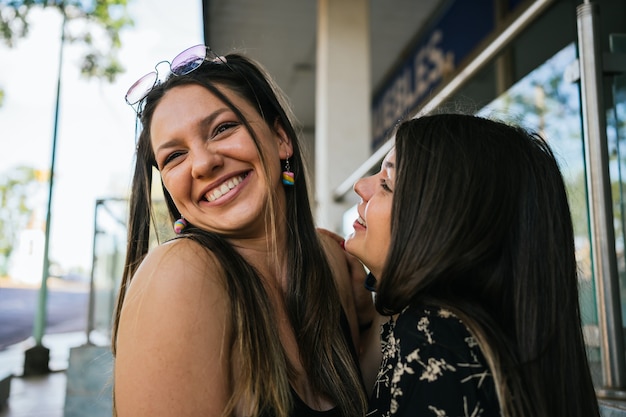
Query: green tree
column 85, row 21
column 17, row 187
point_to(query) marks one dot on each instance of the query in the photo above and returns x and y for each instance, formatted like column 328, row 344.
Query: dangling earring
column 179, row 225
column 288, row 176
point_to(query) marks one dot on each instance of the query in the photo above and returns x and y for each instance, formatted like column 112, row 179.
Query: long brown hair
column 481, row 225
column 312, row 301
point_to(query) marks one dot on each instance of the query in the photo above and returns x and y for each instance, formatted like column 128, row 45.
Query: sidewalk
column 39, row 396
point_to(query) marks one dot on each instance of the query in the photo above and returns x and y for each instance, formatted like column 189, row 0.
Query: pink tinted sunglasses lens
column 188, row 60
column 140, row 89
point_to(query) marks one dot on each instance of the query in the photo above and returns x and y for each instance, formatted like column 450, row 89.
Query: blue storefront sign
column 453, row 35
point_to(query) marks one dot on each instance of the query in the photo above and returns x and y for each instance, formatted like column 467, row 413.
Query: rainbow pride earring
column 179, row 225
column 288, row 176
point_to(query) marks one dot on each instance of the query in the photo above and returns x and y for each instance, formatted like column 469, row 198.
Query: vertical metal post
column 600, row 207
column 36, row 359
column 92, row 285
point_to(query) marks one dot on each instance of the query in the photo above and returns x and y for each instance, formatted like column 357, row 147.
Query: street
column 67, row 308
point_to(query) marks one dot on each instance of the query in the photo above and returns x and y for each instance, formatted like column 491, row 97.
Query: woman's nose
column 204, row 161
column 363, row 188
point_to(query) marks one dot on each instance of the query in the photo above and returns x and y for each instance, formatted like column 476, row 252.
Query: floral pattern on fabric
column 431, row 367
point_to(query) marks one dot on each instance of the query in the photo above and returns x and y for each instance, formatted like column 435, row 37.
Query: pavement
column 44, row 395
column 79, row 381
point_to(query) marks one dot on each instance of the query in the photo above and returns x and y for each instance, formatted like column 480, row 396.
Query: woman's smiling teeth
column 217, row 192
column 361, row 221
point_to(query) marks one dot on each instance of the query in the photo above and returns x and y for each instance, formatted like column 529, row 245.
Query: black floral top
column 432, row 366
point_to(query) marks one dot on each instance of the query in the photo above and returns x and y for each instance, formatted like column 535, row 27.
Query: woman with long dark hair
column 248, row 311
column 467, row 229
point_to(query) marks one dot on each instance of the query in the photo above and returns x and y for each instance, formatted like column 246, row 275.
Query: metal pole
column 92, row 285
column 599, row 201
column 37, row 358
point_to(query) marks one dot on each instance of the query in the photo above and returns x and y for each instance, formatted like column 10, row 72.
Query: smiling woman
column 216, row 321
column 202, row 151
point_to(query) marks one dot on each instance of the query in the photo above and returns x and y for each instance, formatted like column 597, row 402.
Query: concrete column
column 343, row 103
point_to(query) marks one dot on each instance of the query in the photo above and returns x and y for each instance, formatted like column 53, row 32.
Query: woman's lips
column 224, row 188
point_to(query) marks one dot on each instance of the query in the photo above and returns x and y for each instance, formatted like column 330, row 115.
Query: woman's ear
column 285, row 147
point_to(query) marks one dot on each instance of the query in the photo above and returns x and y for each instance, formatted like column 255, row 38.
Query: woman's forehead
column 390, row 157
column 388, row 165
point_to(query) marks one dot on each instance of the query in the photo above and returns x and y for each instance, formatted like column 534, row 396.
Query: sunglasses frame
column 184, row 63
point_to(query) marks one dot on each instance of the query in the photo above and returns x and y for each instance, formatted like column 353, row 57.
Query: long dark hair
column 481, row 225
column 312, row 301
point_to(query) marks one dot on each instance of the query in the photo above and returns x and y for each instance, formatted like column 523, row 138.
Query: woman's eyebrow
column 208, row 120
column 203, row 123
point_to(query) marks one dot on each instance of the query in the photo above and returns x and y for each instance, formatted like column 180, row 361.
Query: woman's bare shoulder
column 183, row 253
column 180, row 265
column 173, row 338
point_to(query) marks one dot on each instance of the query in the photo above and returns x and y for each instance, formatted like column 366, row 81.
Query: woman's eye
column 383, row 184
column 223, row 127
column 172, row 156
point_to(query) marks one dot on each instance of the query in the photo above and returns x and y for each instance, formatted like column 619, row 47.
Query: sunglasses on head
column 187, row 61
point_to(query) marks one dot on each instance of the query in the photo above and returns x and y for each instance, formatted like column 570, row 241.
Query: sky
column 96, row 128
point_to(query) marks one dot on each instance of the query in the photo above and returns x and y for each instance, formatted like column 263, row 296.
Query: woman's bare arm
column 172, row 356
